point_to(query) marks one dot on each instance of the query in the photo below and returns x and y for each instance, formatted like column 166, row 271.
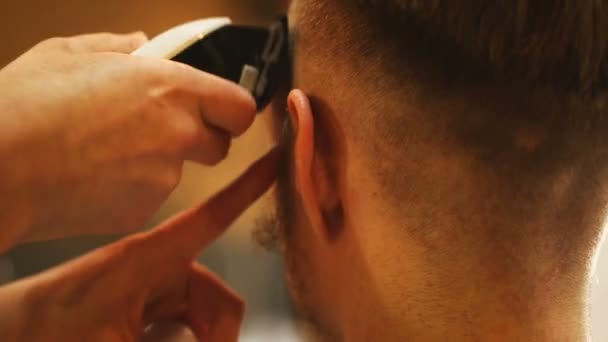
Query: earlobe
column 318, row 191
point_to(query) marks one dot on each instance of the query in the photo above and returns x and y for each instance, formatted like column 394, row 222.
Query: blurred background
column 252, row 271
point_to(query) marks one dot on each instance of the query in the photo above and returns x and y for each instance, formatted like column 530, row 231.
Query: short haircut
column 561, row 43
column 545, row 61
column 506, row 65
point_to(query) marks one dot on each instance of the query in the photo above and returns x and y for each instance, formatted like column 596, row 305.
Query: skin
column 358, row 268
column 115, row 292
column 93, row 140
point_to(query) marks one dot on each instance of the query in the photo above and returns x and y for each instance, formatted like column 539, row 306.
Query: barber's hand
column 92, row 139
column 114, row 293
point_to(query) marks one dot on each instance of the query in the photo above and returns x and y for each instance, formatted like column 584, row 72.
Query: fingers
column 215, row 312
column 152, row 268
column 210, row 146
column 106, row 42
column 194, row 229
column 156, row 258
column 212, row 311
column 220, row 109
column 226, row 206
column 222, row 103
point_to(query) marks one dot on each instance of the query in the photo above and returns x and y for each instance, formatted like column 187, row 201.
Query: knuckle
column 148, row 72
column 161, row 73
column 53, row 43
column 143, row 70
column 71, row 44
column 154, row 101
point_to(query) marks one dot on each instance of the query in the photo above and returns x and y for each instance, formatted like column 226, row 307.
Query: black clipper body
column 254, row 57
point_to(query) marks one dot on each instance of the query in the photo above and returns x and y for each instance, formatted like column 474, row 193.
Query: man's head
column 446, row 165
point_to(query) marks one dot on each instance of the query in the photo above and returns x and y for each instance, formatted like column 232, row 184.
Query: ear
column 315, row 169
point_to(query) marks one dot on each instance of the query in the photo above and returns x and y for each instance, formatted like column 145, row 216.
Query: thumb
column 107, row 42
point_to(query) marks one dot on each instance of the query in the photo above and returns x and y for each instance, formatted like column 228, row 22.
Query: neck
column 502, row 269
column 422, row 294
column 518, row 310
column 469, row 304
column 469, row 310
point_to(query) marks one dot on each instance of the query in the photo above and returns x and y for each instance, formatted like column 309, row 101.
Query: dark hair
column 545, row 60
column 512, row 91
column 559, row 43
